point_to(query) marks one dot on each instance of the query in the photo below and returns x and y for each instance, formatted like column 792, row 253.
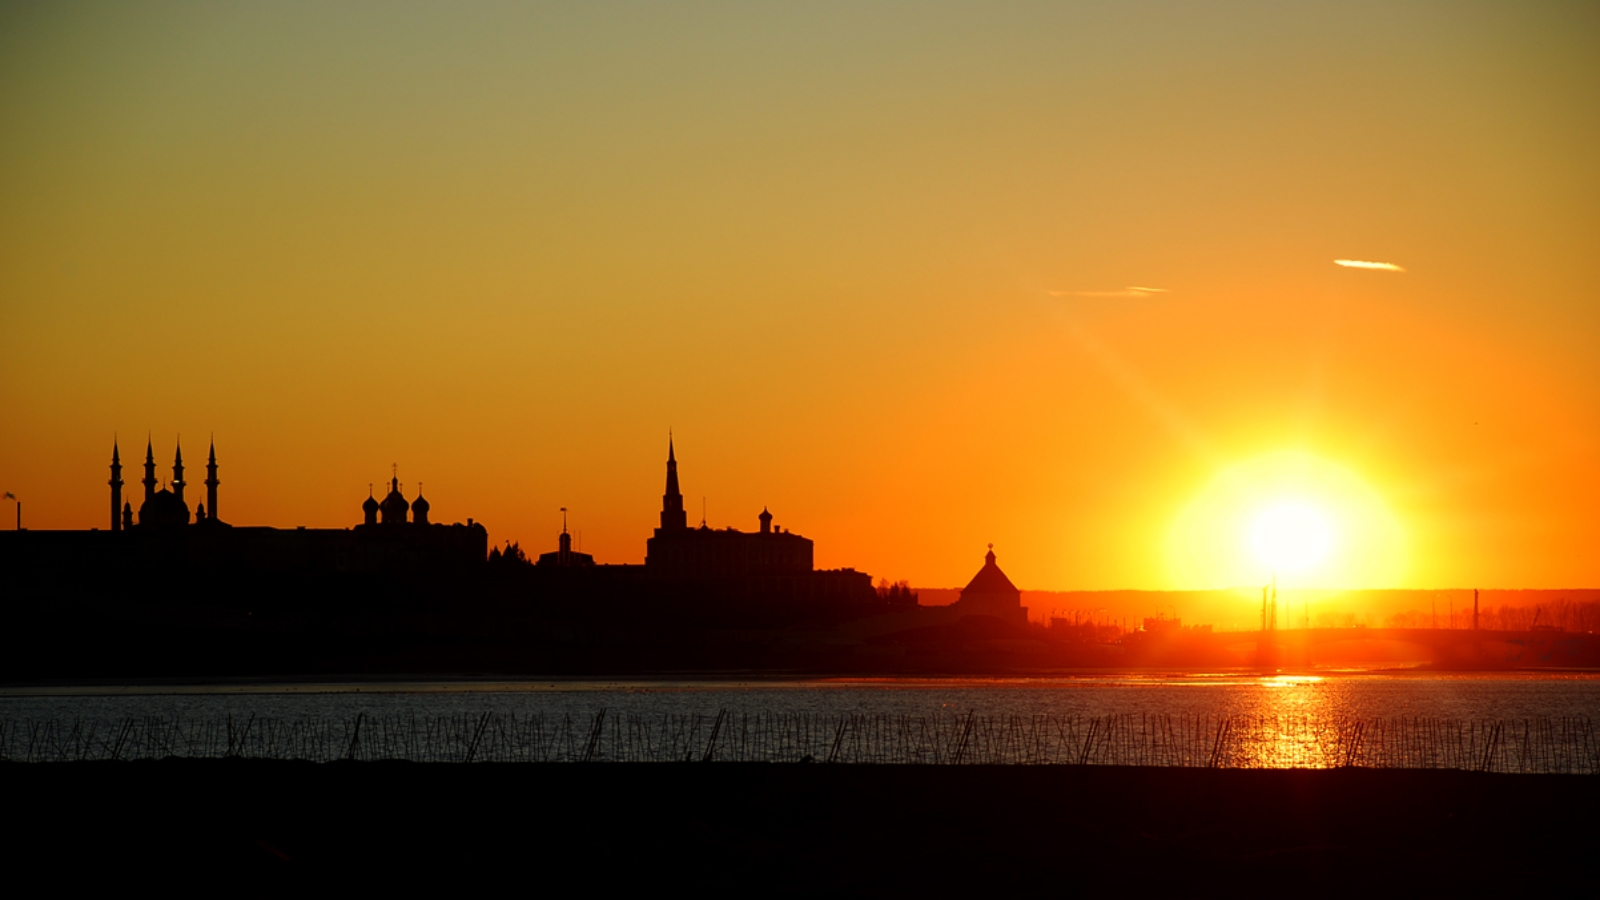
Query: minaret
column 149, row 471
column 212, row 482
column 116, row 487
column 177, row 474
column 672, row 515
column 564, row 543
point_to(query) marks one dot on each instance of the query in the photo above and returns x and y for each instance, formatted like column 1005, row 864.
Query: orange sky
column 870, row 262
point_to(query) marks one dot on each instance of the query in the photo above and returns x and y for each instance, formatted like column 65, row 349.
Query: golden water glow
column 1292, row 514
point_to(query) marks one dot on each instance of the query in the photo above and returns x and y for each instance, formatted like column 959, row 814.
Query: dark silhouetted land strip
column 801, row 829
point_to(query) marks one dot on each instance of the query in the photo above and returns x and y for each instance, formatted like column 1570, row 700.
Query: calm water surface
column 1334, row 697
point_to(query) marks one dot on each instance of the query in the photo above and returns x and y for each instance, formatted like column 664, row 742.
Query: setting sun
column 1289, row 514
column 1290, row 537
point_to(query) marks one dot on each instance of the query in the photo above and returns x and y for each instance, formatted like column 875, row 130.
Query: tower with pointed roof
column 677, row 551
column 116, row 487
column 672, row 515
column 177, row 474
column 149, row 471
column 991, row 593
column 212, row 482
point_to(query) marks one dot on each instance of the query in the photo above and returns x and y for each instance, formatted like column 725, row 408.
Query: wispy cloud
column 1125, row 292
column 1364, row 264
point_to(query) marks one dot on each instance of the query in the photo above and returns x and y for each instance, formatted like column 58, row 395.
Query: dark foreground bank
column 800, row 829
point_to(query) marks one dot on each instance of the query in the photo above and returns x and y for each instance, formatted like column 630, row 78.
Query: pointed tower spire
column 177, row 472
column 116, row 486
column 149, row 469
column 672, row 514
column 211, row 480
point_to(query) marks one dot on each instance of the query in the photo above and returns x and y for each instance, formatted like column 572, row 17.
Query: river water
column 1330, row 697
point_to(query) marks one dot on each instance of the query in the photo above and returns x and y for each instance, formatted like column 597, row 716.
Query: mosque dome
column 164, row 509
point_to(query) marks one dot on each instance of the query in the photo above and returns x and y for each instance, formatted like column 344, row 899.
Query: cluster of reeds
column 1548, row 745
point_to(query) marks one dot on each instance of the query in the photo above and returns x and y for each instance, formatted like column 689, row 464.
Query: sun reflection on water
column 1293, row 725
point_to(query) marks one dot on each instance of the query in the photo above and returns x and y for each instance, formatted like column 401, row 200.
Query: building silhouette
column 564, row 556
column 991, row 593
column 165, row 535
column 701, row 565
column 678, row 551
column 685, row 566
column 770, row 562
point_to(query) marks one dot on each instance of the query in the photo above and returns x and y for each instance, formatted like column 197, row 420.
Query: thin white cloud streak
column 1125, row 292
column 1363, row 264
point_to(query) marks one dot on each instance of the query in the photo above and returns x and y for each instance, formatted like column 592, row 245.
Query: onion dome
column 394, row 506
column 369, row 509
column 419, row 509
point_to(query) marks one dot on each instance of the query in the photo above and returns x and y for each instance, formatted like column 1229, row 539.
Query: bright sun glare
column 1292, row 514
column 1290, row 537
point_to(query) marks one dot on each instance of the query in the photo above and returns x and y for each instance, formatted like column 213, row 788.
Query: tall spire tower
column 672, row 515
column 149, row 471
column 177, row 474
column 116, row 487
column 212, row 482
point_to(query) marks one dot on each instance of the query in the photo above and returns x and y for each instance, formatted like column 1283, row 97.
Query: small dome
column 370, row 504
column 421, row 504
